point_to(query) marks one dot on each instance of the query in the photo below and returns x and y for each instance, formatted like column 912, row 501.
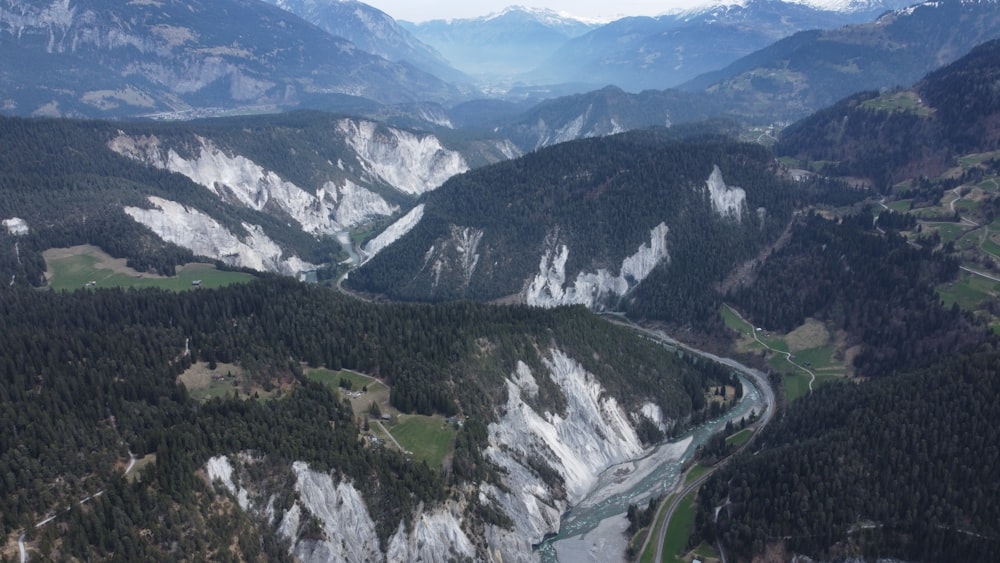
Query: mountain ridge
column 94, row 59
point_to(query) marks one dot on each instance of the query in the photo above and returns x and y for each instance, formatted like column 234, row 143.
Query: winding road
column 759, row 381
column 788, row 355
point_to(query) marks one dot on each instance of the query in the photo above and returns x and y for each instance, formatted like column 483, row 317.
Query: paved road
column 759, row 381
column 661, row 535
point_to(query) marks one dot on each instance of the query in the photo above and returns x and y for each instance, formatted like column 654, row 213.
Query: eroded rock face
column 592, row 434
column 189, row 228
column 549, row 461
column 729, row 202
column 411, row 163
column 598, row 289
column 383, row 156
column 240, row 181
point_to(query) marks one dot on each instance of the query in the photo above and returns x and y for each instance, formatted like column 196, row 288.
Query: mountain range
column 375, row 32
column 642, row 53
column 813, row 69
column 904, row 134
column 87, row 58
column 403, row 362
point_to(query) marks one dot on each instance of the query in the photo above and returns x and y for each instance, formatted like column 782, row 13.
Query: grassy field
column 968, row 291
column 377, row 392
column 679, row 529
column 332, row 378
column 745, row 329
column 428, row 438
column 739, row 438
column 820, row 360
column 968, row 242
column 78, row 266
column 989, row 185
column 810, row 345
column 948, row 231
column 796, row 386
column 900, row 101
column 990, row 244
column 706, row 553
column 697, row 470
column 966, row 206
column 647, row 556
column 204, row 384
column 971, row 160
column 902, row 205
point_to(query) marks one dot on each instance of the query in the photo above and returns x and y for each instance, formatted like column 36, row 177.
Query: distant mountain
column 501, row 44
column 813, row 69
column 654, row 53
column 602, row 112
column 374, row 31
column 93, row 58
column 637, row 222
column 904, row 134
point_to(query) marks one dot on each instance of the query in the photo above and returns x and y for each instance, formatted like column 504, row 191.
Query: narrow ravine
column 593, row 530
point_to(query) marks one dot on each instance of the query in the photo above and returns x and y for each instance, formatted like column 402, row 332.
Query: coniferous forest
column 91, row 376
column 898, row 458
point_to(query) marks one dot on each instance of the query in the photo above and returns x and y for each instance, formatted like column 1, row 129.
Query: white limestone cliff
column 592, row 434
column 729, row 202
column 593, row 289
column 189, row 228
column 411, row 163
column 16, row 226
column 393, row 233
column 241, row 181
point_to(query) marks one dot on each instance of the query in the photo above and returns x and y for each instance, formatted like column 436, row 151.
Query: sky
column 601, row 10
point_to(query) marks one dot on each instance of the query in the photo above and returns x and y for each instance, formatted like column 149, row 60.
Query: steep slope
column 536, row 386
column 903, row 134
column 268, row 193
column 589, row 222
column 373, row 31
column 814, row 69
column 864, row 470
column 89, row 58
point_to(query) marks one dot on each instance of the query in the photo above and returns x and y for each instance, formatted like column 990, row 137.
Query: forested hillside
column 904, row 467
column 90, row 377
column 289, row 181
column 599, row 199
column 875, row 287
column 900, row 465
column 904, row 134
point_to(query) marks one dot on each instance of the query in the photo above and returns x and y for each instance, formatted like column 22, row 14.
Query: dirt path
column 742, row 274
column 788, row 355
column 978, row 273
column 391, row 437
